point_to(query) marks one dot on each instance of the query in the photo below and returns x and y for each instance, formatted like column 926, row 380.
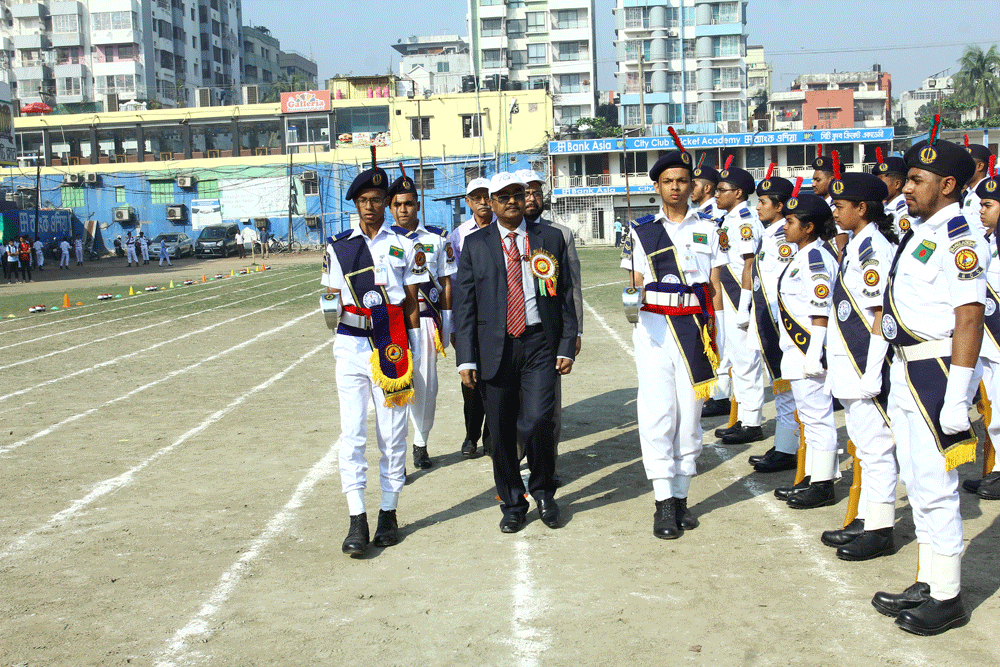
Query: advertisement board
column 306, row 101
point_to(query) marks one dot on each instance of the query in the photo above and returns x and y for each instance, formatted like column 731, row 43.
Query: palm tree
column 978, row 81
column 285, row 84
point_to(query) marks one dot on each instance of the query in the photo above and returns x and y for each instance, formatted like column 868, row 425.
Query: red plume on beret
column 729, row 161
column 819, row 150
column 798, row 186
column 374, row 164
column 701, row 159
column 835, row 156
column 934, row 130
column 878, row 154
column 402, row 170
column 677, row 140
column 966, row 140
column 993, row 166
column 770, row 170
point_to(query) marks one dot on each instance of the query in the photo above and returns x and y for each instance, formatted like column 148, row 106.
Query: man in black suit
column 515, row 330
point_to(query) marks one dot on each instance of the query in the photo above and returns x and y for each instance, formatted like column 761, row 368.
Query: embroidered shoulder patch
column 816, row 260
column 958, row 226
column 746, row 232
column 745, row 213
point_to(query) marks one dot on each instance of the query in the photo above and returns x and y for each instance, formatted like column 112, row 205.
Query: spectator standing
column 265, row 236
column 24, row 257
column 11, row 265
column 78, row 249
column 39, row 253
column 164, row 253
column 250, row 236
column 64, row 259
column 240, row 250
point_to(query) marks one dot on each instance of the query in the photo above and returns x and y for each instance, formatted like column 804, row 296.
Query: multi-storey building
column 437, row 63
column 931, row 90
column 758, row 75
column 837, row 100
column 260, row 55
column 682, row 63
column 295, row 66
column 518, row 44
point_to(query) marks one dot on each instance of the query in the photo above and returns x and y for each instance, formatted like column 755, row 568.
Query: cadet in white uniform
column 78, row 250
column 970, row 206
column 706, row 180
column 39, row 253
column 130, row 250
column 64, row 256
column 676, row 372
column 933, row 317
column 856, row 353
column 144, row 247
column 379, row 261
column 892, row 172
column 434, row 261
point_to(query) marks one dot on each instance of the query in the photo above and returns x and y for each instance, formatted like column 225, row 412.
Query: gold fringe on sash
column 800, row 455
column 781, row 386
column 854, row 497
column 398, row 391
column 985, row 407
column 704, row 390
column 706, row 339
column 963, row 452
column 437, row 341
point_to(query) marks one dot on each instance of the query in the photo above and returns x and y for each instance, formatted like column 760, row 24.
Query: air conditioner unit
column 8, row 196
column 204, row 96
column 251, row 95
column 312, row 221
column 91, row 178
column 176, row 213
column 734, row 126
column 310, row 176
column 185, row 181
column 123, row 215
column 72, row 179
column 672, row 32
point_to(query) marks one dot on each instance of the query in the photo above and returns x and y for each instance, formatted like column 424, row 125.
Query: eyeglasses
column 503, row 199
column 370, row 201
column 478, row 197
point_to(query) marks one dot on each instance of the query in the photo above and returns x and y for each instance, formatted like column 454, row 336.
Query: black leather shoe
column 468, row 449
column 786, row 492
column 548, row 510
column 989, row 489
column 972, row 485
column 775, row 461
column 934, row 616
column 870, row 544
column 387, row 533
column 819, row 494
column 685, row 520
column 665, row 520
column 715, row 408
column 744, row 435
column 356, row 542
column 513, row 522
column 757, row 458
column 726, row 430
column 846, row 535
column 420, row 458
column 892, row 604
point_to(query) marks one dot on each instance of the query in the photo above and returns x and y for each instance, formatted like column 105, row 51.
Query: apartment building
column 834, row 100
column 260, row 56
column 294, row 65
column 438, row 63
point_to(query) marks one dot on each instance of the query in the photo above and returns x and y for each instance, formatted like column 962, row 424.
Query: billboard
column 8, row 156
column 306, row 101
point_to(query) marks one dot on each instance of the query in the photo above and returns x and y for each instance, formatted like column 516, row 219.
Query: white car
column 178, row 245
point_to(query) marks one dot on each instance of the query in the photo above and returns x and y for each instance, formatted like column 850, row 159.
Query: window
column 518, row 59
column 162, row 192
column 68, row 86
column 420, row 128
column 570, row 18
column 443, row 67
column 516, row 28
column 489, row 3
column 727, row 110
column 472, row 173
column 424, row 179
column 828, row 114
column 725, row 12
column 635, row 163
column 208, row 189
column 536, row 22
column 570, row 51
column 112, row 21
column 72, row 196
column 726, row 46
column 570, row 114
column 492, row 27
column 63, row 23
column 472, row 126
column 68, row 55
column 728, row 77
column 491, row 58
column 688, row 13
column 362, row 119
column 632, row 49
column 29, row 87
column 126, row 51
column 637, row 17
column 310, row 188
column 536, row 54
column 569, row 83
column 119, row 194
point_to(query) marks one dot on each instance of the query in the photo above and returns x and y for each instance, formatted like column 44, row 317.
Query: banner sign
column 306, row 101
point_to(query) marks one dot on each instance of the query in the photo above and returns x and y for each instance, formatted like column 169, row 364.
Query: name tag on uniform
column 382, row 274
column 690, row 261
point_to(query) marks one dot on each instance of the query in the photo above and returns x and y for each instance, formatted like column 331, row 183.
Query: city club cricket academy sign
column 305, row 101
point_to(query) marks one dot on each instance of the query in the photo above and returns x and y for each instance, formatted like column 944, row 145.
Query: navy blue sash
column 855, row 332
column 731, row 285
column 767, row 328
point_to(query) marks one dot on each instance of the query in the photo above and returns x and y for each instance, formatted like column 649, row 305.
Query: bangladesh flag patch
column 395, row 252
column 701, row 238
column 924, row 251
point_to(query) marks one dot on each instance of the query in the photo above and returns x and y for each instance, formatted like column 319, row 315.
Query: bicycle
column 277, row 245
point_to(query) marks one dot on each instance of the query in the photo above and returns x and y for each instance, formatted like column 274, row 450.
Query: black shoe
column 468, row 449
column 846, row 535
column 786, row 492
column 837, row 405
column 757, row 458
column 420, row 458
column 972, row 485
column 387, row 533
column 934, row 617
column 989, row 489
column 744, row 435
column 685, row 520
column 870, row 544
column 819, row 494
column 513, row 522
column 715, row 408
column 775, row 461
column 892, row 604
column 665, row 520
column 356, row 542
column 726, row 430
column 549, row 511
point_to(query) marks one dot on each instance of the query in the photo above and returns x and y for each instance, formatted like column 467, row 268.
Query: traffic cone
column 171, row 284
column 66, row 301
column 232, row 273
column 131, row 292
column 203, row 279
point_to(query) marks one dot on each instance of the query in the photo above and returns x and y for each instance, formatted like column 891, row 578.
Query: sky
column 910, row 39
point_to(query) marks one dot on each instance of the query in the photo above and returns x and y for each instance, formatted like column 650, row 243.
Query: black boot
column 387, row 532
column 846, row 535
column 685, row 520
column 665, row 520
column 786, row 492
column 775, row 461
column 892, row 604
column 819, row 494
column 870, row 544
column 989, row 489
column 757, row 458
column 744, row 435
column 726, row 430
column 356, row 542
column 715, row 408
column 934, row 616
column 420, row 458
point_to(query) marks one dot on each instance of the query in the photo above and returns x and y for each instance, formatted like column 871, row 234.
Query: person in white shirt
column 164, row 253
column 144, row 247
column 892, row 172
column 64, row 259
column 251, row 238
column 240, row 240
column 970, row 204
column 130, row 250
column 39, row 253
column 78, row 249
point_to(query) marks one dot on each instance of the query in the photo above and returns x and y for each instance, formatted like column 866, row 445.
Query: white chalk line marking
column 120, row 481
column 18, row 407
column 617, row 282
column 529, row 604
column 172, row 374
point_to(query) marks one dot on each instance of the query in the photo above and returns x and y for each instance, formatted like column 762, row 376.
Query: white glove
column 447, row 325
column 813, row 366
column 413, row 337
column 720, row 333
column 871, row 379
column 955, row 411
column 743, row 312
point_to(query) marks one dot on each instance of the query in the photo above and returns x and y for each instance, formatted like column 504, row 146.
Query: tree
column 608, row 112
column 285, row 84
column 951, row 113
column 599, row 126
column 978, row 81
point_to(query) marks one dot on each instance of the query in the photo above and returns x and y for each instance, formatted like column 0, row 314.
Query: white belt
column 932, row 349
column 356, row 321
column 425, row 307
column 671, row 300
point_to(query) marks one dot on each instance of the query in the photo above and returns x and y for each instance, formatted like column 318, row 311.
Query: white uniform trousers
column 785, row 427
column 425, row 385
column 354, row 388
column 991, row 380
column 932, row 491
column 669, row 414
column 815, row 406
column 145, row 252
column 40, row 258
column 130, row 254
column 79, row 254
column 64, row 258
column 748, row 371
column 876, row 451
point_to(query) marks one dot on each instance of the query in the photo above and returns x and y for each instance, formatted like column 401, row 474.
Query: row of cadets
column 739, row 236
column 703, row 197
column 675, row 257
column 774, row 252
column 856, row 353
column 434, row 261
column 892, row 172
column 970, row 201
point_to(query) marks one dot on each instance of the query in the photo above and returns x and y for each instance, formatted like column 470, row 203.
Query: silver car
column 178, row 245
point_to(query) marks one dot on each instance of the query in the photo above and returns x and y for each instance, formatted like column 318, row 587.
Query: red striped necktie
column 516, row 318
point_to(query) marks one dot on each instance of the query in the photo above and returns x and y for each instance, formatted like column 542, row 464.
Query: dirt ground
column 171, row 496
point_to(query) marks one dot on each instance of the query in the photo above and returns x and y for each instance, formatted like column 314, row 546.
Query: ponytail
column 878, row 216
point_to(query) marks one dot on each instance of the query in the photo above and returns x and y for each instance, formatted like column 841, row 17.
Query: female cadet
column 804, row 306
column 856, row 356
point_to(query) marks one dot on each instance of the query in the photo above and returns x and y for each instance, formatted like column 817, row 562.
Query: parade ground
column 171, row 496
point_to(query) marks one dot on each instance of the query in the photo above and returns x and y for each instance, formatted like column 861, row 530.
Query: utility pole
column 642, row 92
column 420, row 148
column 38, row 189
column 291, row 198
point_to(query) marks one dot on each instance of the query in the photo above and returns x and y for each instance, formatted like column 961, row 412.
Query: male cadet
column 372, row 269
column 434, row 261
column 892, row 172
column 823, row 168
column 933, row 317
column 143, row 246
column 477, row 198
column 675, row 258
column 129, row 251
column 970, row 206
column 706, row 179
column 739, row 237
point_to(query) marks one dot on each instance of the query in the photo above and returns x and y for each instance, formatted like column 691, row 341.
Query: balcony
column 120, row 36
column 64, row 7
column 33, row 69
column 29, row 10
column 36, row 41
column 67, row 39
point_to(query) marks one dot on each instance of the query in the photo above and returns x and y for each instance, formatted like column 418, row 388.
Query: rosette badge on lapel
column 546, row 269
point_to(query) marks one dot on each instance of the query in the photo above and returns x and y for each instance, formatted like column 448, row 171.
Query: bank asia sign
column 739, row 140
column 304, row 101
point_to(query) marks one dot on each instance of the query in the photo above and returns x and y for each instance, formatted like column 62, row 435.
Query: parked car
column 178, row 245
column 216, row 241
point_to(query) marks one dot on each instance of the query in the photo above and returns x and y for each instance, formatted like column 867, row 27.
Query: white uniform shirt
column 865, row 279
column 129, row 241
column 951, row 274
column 807, row 291
column 64, row 246
column 970, row 208
column 896, row 209
column 774, row 255
column 740, row 233
column 388, row 248
column 250, row 235
column 989, row 350
column 78, row 244
column 143, row 241
column 711, row 208
column 37, row 245
column 439, row 258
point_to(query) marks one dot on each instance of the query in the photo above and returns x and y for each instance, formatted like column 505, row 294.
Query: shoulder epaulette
column 958, row 226
column 341, row 236
column 816, row 260
column 780, row 234
column 436, row 230
column 402, row 231
column 745, row 213
column 900, row 205
column 865, row 250
column 643, row 220
column 705, row 215
column 707, row 208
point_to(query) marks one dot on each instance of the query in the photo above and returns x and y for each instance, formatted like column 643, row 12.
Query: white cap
column 529, row 176
column 477, row 184
column 502, row 180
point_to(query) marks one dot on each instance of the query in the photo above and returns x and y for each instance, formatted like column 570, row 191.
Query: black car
column 216, row 241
